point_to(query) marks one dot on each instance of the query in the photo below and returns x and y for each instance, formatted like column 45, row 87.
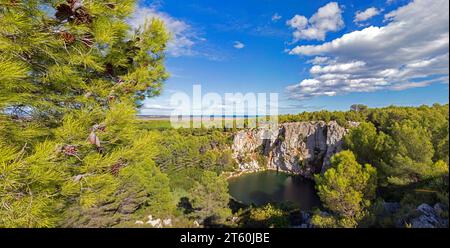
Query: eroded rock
column 299, row 147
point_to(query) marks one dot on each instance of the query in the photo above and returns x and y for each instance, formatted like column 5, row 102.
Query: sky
column 315, row 54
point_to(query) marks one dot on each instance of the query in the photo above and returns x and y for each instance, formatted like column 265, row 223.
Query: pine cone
column 63, row 12
column 115, row 168
column 68, row 37
column 73, row 11
column 70, row 150
column 82, row 16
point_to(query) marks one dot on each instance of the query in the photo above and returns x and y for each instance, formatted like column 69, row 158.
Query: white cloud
column 238, row 45
column 157, row 107
column 365, row 15
column 298, row 22
column 183, row 36
column 327, row 18
column 337, row 68
column 406, row 52
column 276, row 17
column 318, row 60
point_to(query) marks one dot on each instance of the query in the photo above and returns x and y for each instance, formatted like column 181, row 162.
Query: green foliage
column 268, row 216
column 185, row 153
column 69, row 61
column 440, row 143
column 210, row 197
column 342, row 118
column 154, row 124
column 122, row 177
column 412, row 159
column 347, row 188
column 367, row 144
column 72, row 154
column 409, row 147
column 29, row 186
column 322, row 220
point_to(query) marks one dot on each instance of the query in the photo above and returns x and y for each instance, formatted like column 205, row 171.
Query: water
column 264, row 187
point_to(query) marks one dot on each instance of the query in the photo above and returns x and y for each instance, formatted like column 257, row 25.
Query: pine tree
column 72, row 74
column 210, row 197
column 268, row 216
column 346, row 189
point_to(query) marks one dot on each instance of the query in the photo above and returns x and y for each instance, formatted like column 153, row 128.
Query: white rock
column 167, row 222
column 154, row 223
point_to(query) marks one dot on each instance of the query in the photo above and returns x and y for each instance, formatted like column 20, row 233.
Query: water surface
column 263, row 187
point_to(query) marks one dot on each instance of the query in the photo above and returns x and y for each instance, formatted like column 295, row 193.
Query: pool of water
column 264, row 187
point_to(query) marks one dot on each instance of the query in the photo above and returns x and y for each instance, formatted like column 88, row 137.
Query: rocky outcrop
column 424, row 216
column 429, row 217
column 300, row 147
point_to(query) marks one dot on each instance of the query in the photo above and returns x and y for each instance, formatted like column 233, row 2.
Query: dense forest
column 73, row 153
column 404, row 151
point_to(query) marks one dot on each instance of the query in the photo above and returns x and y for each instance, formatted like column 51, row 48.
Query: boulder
column 428, row 218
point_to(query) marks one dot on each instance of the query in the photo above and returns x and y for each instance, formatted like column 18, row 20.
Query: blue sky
column 315, row 54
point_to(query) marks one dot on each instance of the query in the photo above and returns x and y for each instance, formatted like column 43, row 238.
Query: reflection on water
column 270, row 186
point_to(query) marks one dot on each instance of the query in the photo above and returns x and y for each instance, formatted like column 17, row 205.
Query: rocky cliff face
column 300, row 147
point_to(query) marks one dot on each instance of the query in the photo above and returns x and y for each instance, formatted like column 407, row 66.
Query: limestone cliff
column 300, row 147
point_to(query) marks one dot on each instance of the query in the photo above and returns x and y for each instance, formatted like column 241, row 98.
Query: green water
column 264, row 187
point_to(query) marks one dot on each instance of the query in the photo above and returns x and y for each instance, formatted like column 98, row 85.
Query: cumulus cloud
column 276, row 17
column 338, row 68
column 365, row 15
column 318, row 60
column 298, row 22
column 238, row 45
column 406, row 52
column 183, row 36
column 327, row 18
